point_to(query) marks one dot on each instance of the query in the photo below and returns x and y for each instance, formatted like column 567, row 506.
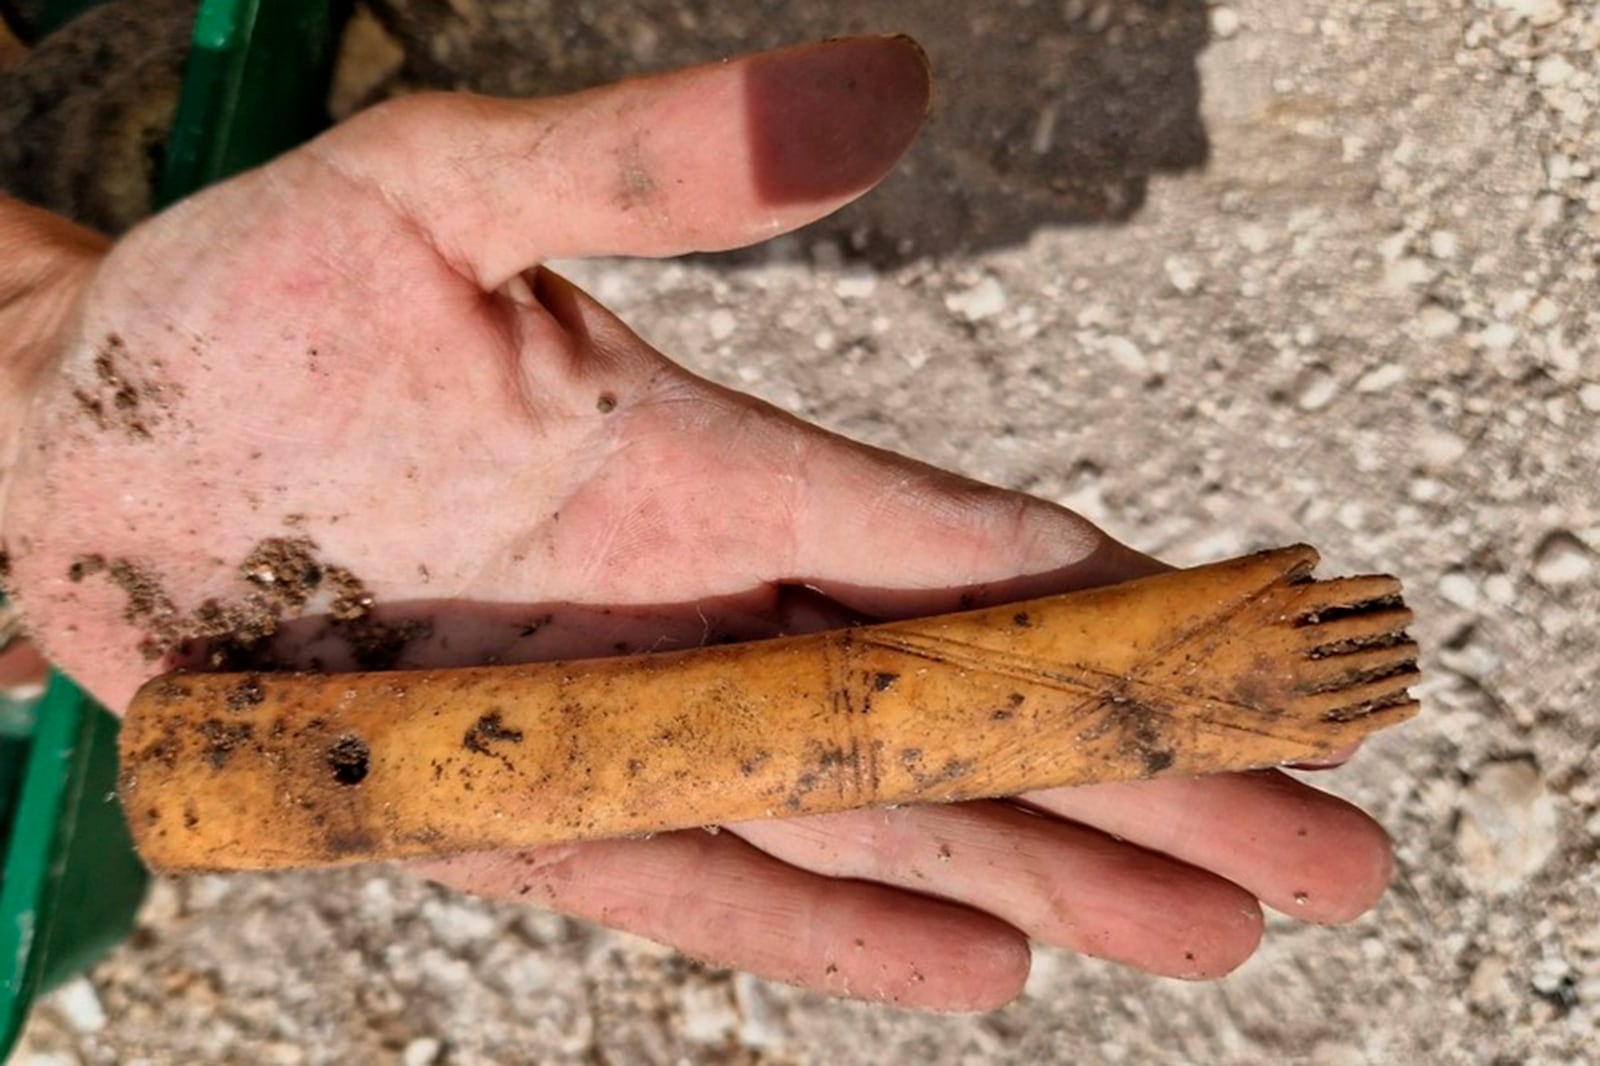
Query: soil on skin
column 282, row 579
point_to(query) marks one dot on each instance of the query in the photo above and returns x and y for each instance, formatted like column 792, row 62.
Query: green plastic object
column 72, row 883
column 255, row 84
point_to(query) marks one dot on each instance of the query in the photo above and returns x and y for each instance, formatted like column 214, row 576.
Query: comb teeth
column 1374, row 628
column 1358, row 660
column 1323, row 602
column 1347, row 703
column 1373, row 717
column 1331, row 673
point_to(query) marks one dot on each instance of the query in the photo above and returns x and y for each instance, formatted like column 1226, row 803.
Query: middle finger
column 1062, row 884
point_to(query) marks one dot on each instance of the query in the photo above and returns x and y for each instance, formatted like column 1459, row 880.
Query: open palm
column 336, row 399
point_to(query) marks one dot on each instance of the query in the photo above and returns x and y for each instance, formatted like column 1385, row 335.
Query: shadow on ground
column 1046, row 113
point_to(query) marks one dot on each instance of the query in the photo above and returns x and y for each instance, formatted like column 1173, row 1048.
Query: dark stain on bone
column 488, row 730
column 350, row 759
column 222, row 739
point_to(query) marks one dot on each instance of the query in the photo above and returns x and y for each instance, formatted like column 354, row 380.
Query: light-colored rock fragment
column 1509, row 828
column 984, row 300
column 708, row 1014
column 1459, row 589
column 1537, row 12
column 1438, row 322
column 1439, row 448
column 1487, row 985
column 423, row 1051
column 1561, row 560
column 856, row 283
column 1125, row 354
column 1382, row 378
column 1544, row 312
column 1499, row 335
column 79, row 1004
column 1553, row 70
column 1315, row 388
column 1225, row 22
column 1181, row 274
column 459, row 925
column 761, row 1023
column 721, row 323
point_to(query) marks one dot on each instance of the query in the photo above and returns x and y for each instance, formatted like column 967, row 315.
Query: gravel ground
column 1323, row 270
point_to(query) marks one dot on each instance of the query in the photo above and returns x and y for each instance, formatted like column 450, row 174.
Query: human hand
column 335, row 401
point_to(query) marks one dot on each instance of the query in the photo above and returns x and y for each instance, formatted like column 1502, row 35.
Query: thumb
column 704, row 159
column 745, row 496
